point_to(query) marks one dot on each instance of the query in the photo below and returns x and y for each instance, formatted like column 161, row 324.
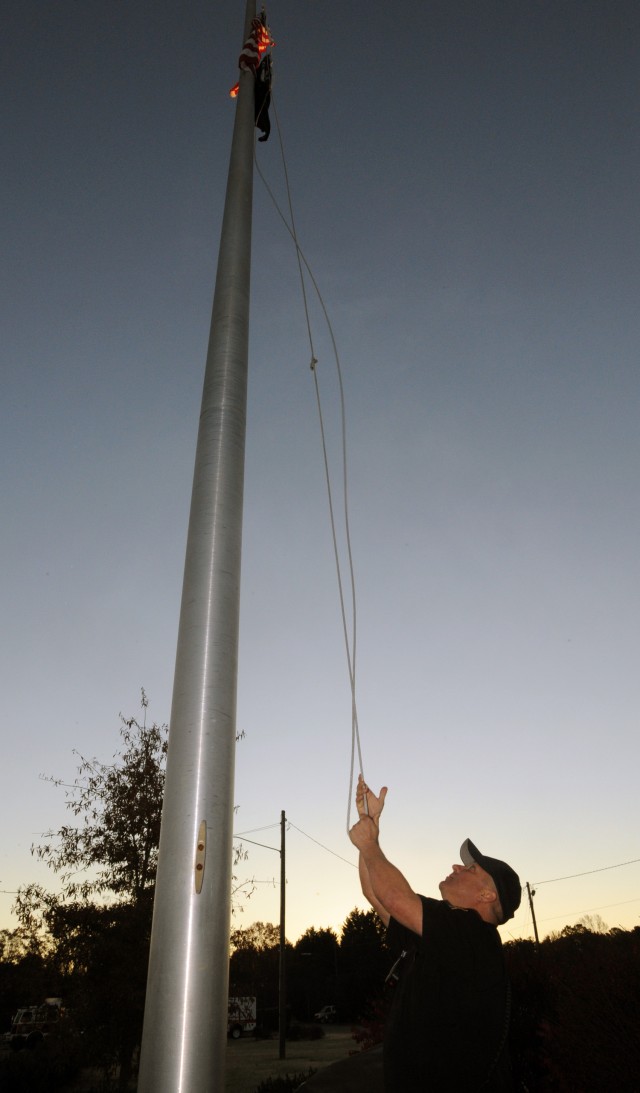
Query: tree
column 12, row 946
column 313, row 972
column 322, row 944
column 363, row 933
column 254, row 967
column 94, row 932
column 578, row 995
column 258, row 937
column 364, row 962
column 114, row 848
column 594, row 923
column 23, row 976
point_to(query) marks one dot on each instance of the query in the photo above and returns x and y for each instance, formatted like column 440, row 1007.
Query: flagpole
column 185, row 1022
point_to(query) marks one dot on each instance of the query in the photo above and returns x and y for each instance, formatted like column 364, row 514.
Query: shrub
column 284, row 1084
column 576, row 1006
column 48, row 1067
column 370, row 1031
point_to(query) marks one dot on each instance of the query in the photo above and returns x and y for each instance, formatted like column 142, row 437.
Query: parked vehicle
column 32, row 1023
column 326, row 1014
column 241, row 1016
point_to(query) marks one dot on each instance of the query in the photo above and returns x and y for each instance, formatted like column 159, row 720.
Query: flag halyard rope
column 350, row 640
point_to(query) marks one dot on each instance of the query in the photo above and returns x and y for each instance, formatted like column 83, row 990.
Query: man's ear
column 488, row 895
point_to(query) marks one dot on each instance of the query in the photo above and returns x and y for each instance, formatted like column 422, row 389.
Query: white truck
column 32, row 1023
column 241, row 1016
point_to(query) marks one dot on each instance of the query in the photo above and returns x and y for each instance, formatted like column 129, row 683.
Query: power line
column 536, row 884
column 254, row 843
column 254, row 830
column 588, row 873
column 604, row 907
column 322, row 846
column 333, row 853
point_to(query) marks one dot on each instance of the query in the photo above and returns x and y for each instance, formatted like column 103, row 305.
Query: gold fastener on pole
column 201, row 851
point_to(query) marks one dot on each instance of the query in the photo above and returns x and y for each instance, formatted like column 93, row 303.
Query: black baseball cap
column 507, row 882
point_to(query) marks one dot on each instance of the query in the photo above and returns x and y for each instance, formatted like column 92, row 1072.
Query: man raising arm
column 384, row 886
column 448, row 1019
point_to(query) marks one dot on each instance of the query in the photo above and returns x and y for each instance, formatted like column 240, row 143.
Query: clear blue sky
column 465, row 179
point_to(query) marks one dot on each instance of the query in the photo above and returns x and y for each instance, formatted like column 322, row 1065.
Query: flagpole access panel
column 185, row 1020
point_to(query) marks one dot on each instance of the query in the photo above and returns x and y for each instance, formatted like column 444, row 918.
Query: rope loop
column 349, row 638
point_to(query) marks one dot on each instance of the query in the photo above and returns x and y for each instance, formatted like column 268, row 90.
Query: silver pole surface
column 185, row 1022
column 282, row 978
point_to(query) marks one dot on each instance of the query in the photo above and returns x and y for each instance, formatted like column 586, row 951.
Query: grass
column 250, row 1062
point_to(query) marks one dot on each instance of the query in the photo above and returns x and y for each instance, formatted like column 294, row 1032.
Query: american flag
column 256, row 44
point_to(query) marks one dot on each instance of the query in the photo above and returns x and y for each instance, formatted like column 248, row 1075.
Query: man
column 449, row 1017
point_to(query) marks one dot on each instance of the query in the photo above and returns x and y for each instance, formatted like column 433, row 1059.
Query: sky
column 464, row 179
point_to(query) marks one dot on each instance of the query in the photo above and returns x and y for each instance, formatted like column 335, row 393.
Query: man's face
column 463, row 886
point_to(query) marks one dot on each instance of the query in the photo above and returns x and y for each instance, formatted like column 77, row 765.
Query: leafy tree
column 112, row 852
column 576, row 1002
column 594, row 923
column 254, row 966
column 322, row 944
column 364, row 962
column 313, row 972
column 258, row 937
column 94, row 932
column 363, row 936
column 114, row 848
column 23, row 977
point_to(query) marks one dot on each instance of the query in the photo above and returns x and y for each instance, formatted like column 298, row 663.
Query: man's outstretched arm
column 383, row 885
column 368, row 804
column 368, row 893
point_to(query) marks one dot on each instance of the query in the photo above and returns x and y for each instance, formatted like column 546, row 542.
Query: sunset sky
column 465, row 183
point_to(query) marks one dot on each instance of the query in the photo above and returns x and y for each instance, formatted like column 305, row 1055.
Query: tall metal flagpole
column 185, row 1021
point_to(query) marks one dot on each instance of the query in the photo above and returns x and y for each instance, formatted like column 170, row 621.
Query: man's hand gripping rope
column 367, row 803
column 369, row 809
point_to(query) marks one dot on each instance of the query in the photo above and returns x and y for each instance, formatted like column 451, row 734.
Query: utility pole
column 531, row 894
column 282, row 986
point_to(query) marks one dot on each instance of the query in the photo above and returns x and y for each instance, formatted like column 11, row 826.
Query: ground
column 250, row 1061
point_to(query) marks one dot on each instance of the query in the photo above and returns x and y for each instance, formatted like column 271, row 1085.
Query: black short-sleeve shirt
column 449, row 1012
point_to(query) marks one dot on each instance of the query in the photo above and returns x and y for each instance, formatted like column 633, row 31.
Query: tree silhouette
column 254, row 968
column 364, row 963
column 94, row 931
column 114, row 846
column 314, row 972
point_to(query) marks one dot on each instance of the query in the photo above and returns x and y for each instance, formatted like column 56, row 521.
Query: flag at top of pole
column 254, row 48
column 185, row 1021
column 254, row 58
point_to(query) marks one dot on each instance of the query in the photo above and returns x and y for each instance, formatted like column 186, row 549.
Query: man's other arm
column 384, row 886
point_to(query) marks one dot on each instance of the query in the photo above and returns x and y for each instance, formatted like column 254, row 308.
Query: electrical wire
column 588, row 873
column 603, row 907
column 322, row 846
column 264, row 846
column 255, row 830
column 528, row 917
column 301, row 832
